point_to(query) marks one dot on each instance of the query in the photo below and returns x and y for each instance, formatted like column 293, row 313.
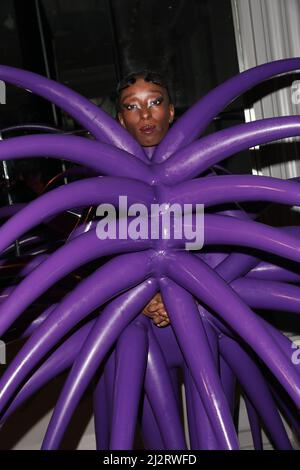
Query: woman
column 145, row 109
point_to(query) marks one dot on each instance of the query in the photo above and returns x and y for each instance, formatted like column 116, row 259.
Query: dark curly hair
column 148, row 76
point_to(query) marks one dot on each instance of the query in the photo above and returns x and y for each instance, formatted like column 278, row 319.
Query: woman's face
column 145, row 112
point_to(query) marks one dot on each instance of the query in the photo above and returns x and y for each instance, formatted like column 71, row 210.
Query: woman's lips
column 147, row 129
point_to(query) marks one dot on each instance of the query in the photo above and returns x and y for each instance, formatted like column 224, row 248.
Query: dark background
column 88, row 45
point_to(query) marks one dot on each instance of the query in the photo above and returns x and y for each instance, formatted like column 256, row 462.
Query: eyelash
column 130, row 107
column 158, row 101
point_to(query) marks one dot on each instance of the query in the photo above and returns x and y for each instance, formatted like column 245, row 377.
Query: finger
column 163, row 323
column 149, row 314
column 162, row 312
column 153, row 308
column 152, row 302
column 160, row 305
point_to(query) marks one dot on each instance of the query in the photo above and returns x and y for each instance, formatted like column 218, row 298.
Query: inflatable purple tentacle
column 223, row 277
column 201, row 155
column 194, row 121
column 255, row 425
column 131, row 363
column 60, row 360
column 79, row 251
column 256, row 389
column 188, row 333
column 92, row 118
column 241, row 319
column 69, row 312
column 114, row 318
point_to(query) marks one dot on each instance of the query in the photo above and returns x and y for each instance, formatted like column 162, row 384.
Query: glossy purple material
column 97, row 330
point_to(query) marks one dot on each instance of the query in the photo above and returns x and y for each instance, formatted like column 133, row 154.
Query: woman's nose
column 145, row 112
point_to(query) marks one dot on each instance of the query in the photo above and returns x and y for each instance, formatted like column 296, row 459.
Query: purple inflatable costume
column 214, row 337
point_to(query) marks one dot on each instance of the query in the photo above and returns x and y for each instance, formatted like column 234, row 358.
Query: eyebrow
column 133, row 94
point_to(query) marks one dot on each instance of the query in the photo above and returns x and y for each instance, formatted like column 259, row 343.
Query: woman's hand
column 155, row 310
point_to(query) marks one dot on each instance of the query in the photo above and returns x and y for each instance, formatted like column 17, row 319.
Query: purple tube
column 207, row 439
column 254, row 424
column 92, row 118
column 109, row 377
column 21, row 266
column 194, row 121
column 221, row 230
column 191, row 411
column 235, row 265
column 60, row 360
column 101, row 415
column 201, row 155
column 160, row 393
column 114, row 318
column 228, row 380
column 194, row 344
column 151, row 434
column 75, row 253
column 78, row 194
column 131, row 362
column 202, row 282
column 76, row 306
column 222, row 189
column 190, row 343
column 32, row 264
column 38, row 321
column 204, row 431
column 98, row 156
column 252, row 381
column 289, row 410
column 268, row 295
column 169, row 346
column 271, row 272
column 283, row 342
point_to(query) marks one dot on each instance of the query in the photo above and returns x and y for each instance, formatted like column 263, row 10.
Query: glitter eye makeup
column 156, row 101
column 150, row 104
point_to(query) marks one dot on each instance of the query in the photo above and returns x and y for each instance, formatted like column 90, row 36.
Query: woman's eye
column 129, row 107
column 156, row 102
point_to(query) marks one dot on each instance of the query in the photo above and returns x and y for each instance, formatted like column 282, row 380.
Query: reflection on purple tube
column 215, row 343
